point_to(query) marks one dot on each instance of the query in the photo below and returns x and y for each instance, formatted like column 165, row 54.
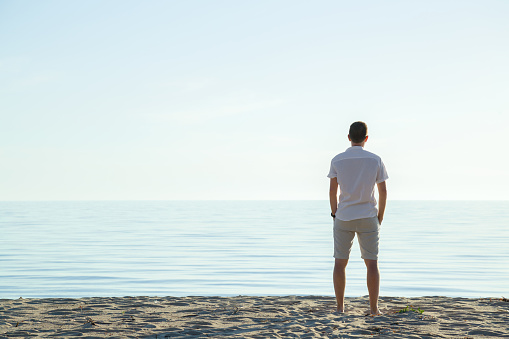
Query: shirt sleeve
column 332, row 172
column 381, row 174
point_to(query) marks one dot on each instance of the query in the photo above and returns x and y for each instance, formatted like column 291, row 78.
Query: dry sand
column 252, row 317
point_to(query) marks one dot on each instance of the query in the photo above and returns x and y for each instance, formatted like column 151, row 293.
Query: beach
column 253, row 317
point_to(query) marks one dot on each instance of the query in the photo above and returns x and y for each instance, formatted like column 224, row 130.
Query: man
column 356, row 171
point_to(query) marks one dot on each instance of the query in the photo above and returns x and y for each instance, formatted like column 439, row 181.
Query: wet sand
column 253, row 317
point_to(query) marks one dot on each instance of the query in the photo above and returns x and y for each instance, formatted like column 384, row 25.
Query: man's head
column 358, row 133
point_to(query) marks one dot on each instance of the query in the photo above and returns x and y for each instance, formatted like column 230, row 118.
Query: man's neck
column 356, row 144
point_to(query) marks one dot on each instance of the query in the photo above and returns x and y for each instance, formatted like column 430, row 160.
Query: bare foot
column 375, row 312
column 340, row 310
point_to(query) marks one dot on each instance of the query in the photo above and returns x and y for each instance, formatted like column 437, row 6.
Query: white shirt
column 357, row 171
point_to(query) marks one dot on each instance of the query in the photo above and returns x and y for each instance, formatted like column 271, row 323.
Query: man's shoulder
column 358, row 154
column 339, row 156
column 371, row 155
column 345, row 154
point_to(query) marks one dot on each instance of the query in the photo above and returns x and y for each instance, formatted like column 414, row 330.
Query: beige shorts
column 368, row 234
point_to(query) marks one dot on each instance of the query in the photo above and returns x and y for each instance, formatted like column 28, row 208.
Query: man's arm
column 382, row 200
column 333, row 195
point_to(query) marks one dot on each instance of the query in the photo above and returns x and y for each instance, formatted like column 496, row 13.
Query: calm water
column 77, row 249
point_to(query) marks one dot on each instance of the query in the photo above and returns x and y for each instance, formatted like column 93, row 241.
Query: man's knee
column 340, row 263
column 371, row 264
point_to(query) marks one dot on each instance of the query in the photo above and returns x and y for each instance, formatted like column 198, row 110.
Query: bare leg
column 339, row 278
column 373, row 280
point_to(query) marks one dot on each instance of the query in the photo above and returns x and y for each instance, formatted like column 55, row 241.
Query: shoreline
column 253, row 317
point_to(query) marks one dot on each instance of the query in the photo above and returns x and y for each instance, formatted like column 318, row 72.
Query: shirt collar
column 353, row 148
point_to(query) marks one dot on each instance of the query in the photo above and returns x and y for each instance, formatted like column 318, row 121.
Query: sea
column 229, row 248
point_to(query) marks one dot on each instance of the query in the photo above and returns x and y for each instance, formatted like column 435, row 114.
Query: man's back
column 357, row 172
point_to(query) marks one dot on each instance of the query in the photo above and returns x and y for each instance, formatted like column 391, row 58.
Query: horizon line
column 208, row 200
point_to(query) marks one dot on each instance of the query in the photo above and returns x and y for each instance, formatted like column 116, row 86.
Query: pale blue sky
column 250, row 99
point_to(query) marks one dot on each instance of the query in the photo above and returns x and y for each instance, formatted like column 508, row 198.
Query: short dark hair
column 358, row 131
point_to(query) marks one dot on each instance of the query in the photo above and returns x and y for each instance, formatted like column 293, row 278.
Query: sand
column 252, row 317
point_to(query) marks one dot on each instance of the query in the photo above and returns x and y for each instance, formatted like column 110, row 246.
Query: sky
column 249, row 100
